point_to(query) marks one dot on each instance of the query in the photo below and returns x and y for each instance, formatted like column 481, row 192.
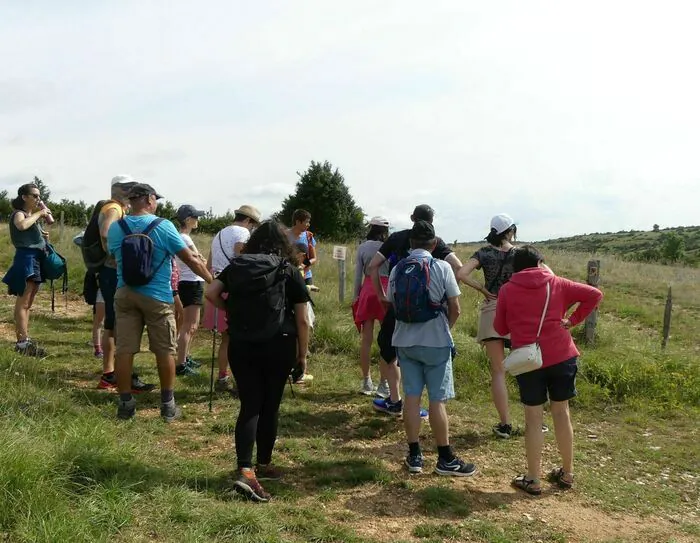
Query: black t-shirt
column 398, row 246
column 493, row 261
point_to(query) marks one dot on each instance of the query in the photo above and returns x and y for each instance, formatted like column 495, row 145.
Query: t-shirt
column 166, row 241
column 303, row 239
column 435, row 332
column 398, row 247
column 365, row 254
column 491, row 260
column 186, row 274
column 223, row 244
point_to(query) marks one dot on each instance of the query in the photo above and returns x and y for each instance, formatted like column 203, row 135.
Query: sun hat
column 379, row 221
column 123, row 181
column 249, row 211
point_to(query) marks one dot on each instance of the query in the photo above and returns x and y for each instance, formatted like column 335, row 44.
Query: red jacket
column 520, row 304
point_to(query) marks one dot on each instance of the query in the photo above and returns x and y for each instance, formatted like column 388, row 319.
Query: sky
column 572, row 117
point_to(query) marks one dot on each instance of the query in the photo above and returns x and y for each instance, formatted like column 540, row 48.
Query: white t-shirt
column 222, row 246
column 186, row 274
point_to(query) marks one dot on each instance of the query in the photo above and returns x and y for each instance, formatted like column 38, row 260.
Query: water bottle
column 49, row 218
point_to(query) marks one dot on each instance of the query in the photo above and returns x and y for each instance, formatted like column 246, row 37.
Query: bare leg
column 411, row 418
column 564, row 433
column 366, row 347
column 534, row 440
column 393, row 377
column 123, row 368
column 223, row 355
column 108, row 349
column 439, row 423
column 499, row 391
column 22, row 306
column 179, row 310
column 188, row 327
column 166, row 371
column 97, row 320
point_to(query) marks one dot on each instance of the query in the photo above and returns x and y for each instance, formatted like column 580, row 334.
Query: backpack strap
column 125, row 227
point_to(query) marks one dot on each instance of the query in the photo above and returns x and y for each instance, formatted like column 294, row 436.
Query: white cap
column 502, row 222
column 122, row 179
column 379, row 221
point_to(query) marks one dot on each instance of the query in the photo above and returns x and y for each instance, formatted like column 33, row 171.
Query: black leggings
column 261, row 371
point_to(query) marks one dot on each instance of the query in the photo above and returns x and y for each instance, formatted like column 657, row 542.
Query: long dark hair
column 270, row 239
column 496, row 239
column 377, row 232
column 526, row 257
column 24, row 190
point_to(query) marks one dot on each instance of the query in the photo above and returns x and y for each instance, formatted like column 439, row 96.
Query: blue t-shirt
column 304, row 240
column 166, row 241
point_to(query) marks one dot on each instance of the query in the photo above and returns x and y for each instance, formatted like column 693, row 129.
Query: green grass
column 69, row 471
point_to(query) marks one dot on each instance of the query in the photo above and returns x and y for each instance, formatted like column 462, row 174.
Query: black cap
column 422, row 231
column 187, row 210
column 423, row 212
column 140, row 190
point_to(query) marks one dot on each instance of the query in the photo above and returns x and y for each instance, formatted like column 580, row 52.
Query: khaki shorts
column 133, row 312
column 487, row 314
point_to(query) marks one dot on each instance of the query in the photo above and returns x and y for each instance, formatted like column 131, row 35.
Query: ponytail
column 18, row 203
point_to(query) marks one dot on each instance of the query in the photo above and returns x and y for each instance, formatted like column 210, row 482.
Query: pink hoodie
column 520, row 304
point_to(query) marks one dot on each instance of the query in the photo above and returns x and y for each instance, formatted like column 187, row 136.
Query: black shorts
column 309, row 280
column 558, row 381
column 107, row 281
column 191, row 292
column 386, row 332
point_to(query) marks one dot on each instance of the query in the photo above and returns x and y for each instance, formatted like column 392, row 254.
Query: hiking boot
column 387, row 406
column 504, row 431
column 184, row 370
column 107, row 382
column 455, row 467
column 126, row 410
column 383, row 390
column 414, row 463
column 247, row 485
column 169, row 411
column 367, row 387
column 268, row 472
column 138, row 386
column 29, row 348
column 192, row 363
column 224, row 384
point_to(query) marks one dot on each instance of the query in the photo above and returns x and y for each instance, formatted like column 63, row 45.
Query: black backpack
column 256, row 303
column 94, row 255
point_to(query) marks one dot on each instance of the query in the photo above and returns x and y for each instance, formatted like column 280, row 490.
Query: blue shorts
column 427, row 367
column 558, row 382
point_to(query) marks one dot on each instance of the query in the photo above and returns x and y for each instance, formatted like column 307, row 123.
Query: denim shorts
column 427, row 367
column 557, row 381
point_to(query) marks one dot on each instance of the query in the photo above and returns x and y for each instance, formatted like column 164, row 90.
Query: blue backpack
column 137, row 255
column 412, row 301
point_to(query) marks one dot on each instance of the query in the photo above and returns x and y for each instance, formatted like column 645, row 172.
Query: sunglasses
column 37, row 196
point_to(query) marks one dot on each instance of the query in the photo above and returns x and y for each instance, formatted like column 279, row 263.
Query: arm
column 23, row 221
column 312, row 251
column 500, row 321
column 110, row 216
column 195, row 263
column 377, row 260
column 453, row 310
column 464, row 275
column 213, row 293
column 359, row 273
column 588, row 298
column 453, row 260
column 301, row 316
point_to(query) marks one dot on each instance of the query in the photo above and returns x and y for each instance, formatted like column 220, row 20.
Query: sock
column 414, row 449
column 125, row 396
column 223, row 374
column 166, row 395
column 445, row 453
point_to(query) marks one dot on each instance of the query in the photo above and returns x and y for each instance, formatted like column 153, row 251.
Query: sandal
column 559, row 477
column 531, row 486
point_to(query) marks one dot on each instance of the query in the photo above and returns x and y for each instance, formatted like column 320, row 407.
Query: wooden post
column 61, row 225
column 592, row 319
column 341, row 281
column 667, row 318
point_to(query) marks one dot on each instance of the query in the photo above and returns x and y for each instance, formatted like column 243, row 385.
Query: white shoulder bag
column 528, row 357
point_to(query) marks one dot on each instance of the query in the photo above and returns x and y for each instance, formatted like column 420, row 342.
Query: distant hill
column 680, row 244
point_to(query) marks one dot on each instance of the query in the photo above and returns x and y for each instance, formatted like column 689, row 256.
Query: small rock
column 528, row 516
column 592, row 436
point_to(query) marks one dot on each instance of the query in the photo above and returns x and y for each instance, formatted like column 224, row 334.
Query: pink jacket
column 520, row 304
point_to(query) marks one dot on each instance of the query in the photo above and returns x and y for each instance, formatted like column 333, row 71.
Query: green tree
column 166, row 210
column 43, row 189
column 673, row 247
column 322, row 191
column 5, row 205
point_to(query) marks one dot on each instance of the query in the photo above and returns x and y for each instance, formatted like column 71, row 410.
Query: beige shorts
column 134, row 311
column 487, row 314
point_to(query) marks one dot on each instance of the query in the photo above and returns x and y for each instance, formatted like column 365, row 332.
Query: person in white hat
column 366, row 307
column 496, row 261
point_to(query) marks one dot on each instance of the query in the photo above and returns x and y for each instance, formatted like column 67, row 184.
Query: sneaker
column 267, row 472
column 192, row 363
column 504, row 431
column 126, row 410
column 387, row 406
column 29, row 348
column 545, row 428
column 169, row 411
column 223, row 384
column 383, row 390
column 456, row 467
column 138, row 386
column 185, row 371
column 247, row 485
column 414, row 464
column 424, row 414
column 99, row 354
column 303, row 379
column 107, row 382
column 367, row 387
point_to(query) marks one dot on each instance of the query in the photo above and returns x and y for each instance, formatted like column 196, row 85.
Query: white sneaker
column 367, row 387
column 383, row 390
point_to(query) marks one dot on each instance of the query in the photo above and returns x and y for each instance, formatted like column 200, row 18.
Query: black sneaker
column 138, row 386
column 504, row 431
column 185, row 371
column 456, row 468
column 29, row 348
column 414, row 463
column 126, row 410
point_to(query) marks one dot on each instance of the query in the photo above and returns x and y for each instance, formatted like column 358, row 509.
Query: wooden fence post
column 339, row 254
column 592, row 319
column 61, row 225
column 667, row 318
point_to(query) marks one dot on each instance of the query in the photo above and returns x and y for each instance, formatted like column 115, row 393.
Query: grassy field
column 69, row 471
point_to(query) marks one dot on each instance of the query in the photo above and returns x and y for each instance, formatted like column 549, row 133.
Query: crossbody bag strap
column 221, row 244
column 544, row 312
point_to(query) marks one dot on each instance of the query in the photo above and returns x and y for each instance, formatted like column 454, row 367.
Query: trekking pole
column 213, row 356
column 291, row 388
column 53, row 298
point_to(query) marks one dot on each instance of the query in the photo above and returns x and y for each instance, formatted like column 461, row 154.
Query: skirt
column 487, row 314
column 213, row 316
column 26, row 265
column 367, row 307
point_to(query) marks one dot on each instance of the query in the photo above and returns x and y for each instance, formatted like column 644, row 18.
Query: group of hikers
column 144, row 273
